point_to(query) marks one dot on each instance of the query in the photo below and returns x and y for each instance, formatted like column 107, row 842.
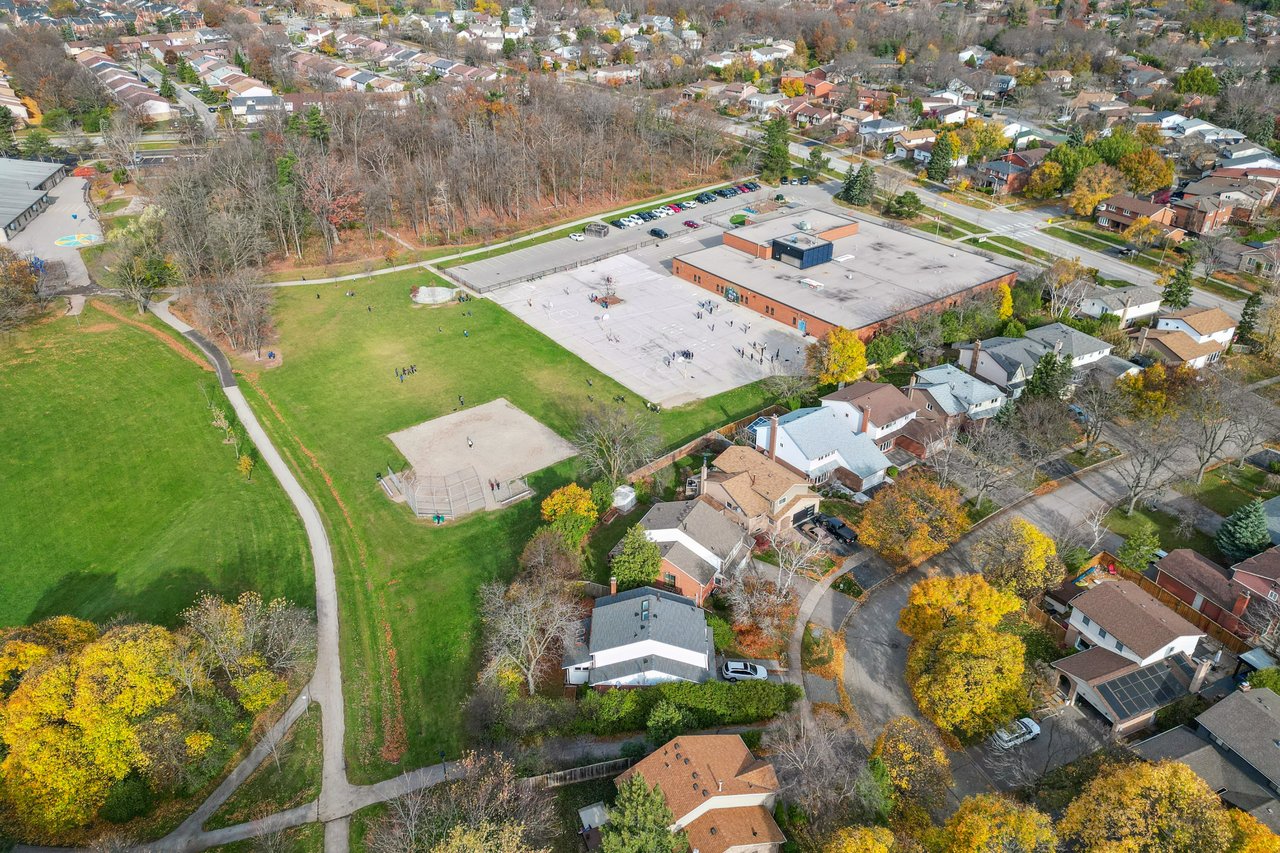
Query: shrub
column 716, row 703
column 127, row 799
column 752, row 739
column 892, row 471
column 721, row 633
column 635, row 749
column 666, row 721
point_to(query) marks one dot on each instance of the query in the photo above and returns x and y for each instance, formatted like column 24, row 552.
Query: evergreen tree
column 776, row 160
column 1139, row 549
column 1249, row 317
column 866, row 185
column 942, row 158
column 637, row 563
column 1177, row 293
column 1075, row 137
column 849, row 191
column 316, row 127
column 166, row 87
column 1051, row 377
column 638, row 822
column 1244, row 533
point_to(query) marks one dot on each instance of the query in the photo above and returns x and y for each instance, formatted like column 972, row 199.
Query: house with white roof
column 1010, row 362
column 821, row 444
column 1129, row 303
column 953, row 397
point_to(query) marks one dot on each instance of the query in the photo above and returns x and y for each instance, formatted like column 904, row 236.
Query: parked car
column 1017, row 732
column 837, row 528
column 1126, row 251
column 741, row 670
column 689, row 223
column 577, row 236
column 618, row 223
column 658, row 232
column 753, row 186
column 784, row 180
column 804, row 180
column 1078, row 414
column 690, row 203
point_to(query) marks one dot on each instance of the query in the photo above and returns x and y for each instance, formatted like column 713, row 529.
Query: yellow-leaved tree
column 913, row 519
column 1141, row 807
column 937, row 603
column 1017, row 557
column 1004, row 308
column 571, row 511
column 967, row 678
column 915, row 762
column 838, row 358
column 988, row 822
column 860, row 839
column 1094, row 184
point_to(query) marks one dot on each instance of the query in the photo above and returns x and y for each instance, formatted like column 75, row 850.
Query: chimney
column 866, row 418
column 1202, row 671
column 773, row 438
column 1124, row 312
column 977, row 350
column 702, row 478
column 1242, row 603
column 1142, row 341
column 1057, row 348
column 911, row 386
column 613, row 586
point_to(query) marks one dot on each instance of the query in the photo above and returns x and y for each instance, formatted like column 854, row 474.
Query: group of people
column 402, row 372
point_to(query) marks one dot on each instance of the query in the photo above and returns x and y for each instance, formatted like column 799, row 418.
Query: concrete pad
column 491, row 442
column 42, row 233
column 633, row 342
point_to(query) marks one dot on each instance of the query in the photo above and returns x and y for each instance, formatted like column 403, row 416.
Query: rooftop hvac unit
column 811, row 284
column 803, row 225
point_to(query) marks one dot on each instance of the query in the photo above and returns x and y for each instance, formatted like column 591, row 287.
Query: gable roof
column 1113, row 298
column 723, row 829
column 1265, row 565
column 1181, row 345
column 702, row 523
column 884, row 403
column 1075, row 343
column 756, row 481
column 1093, row 665
column 953, row 389
column 1248, row 722
column 1202, row 575
column 820, row 431
column 1133, row 616
column 694, row 768
column 1204, row 321
column 644, row 614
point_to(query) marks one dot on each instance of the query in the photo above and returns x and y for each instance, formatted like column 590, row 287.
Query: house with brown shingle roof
column 721, row 795
column 888, row 417
column 1122, row 617
column 1207, row 587
column 1193, row 336
column 764, row 495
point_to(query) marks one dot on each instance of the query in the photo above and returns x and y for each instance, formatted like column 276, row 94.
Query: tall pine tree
column 1244, row 533
column 942, row 158
column 849, row 190
column 866, row 185
column 1248, row 324
column 1051, row 377
column 1177, row 293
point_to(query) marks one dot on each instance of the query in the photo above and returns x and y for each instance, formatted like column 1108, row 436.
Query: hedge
column 716, row 703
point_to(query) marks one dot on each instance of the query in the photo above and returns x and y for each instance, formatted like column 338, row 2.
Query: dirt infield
column 494, row 442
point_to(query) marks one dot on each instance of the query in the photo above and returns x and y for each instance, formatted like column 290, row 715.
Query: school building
column 817, row 269
column 24, row 192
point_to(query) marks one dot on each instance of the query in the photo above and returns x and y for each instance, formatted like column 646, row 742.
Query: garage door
column 802, row 516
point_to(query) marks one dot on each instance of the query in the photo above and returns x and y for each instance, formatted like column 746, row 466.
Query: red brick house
column 1207, row 587
column 700, row 546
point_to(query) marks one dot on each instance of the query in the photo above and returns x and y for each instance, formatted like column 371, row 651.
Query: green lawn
column 407, row 588
column 568, row 800
column 1124, row 525
column 116, row 204
column 1226, row 488
column 118, row 495
column 307, row 838
column 275, row 787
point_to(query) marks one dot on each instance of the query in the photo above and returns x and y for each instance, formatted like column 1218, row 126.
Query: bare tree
column 120, row 139
column 756, row 599
column 822, row 768
column 795, row 555
column 1263, row 618
column 613, row 442
column 1212, row 251
column 1101, row 403
column 1205, row 423
column 289, row 637
column 783, row 385
column 524, row 625
column 987, row 459
column 1065, row 284
column 1044, row 426
column 548, row 558
column 1148, row 449
column 236, row 307
column 1253, row 421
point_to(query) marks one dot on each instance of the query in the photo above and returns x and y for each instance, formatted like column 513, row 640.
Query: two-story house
column 820, row 445
column 766, row 496
column 1129, row 303
column 700, row 546
column 954, row 399
column 1118, row 212
column 1136, row 658
column 1193, row 336
column 1010, row 362
column 1261, row 575
column 720, row 794
column 886, row 416
column 640, row 637
column 1207, row 587
column 1231, row 746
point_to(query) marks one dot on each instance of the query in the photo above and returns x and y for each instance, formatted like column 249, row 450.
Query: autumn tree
column 142, row 267
column 486, row 837
column 638, row 560
column 1162, row 807
column 546, row 556
column 571, row 512
column 1143, row 233
column 1146, row 171
column 614, row 441
column 18, row 281
column 639, row 821
column 839, row 357
column 941, row 602
column 525, row 625
column 987, row 822
column 792, row 87
column 1016, row 556
column 913, row 519
column 967, row 678
column 915, row 761
column 1045, row 181
column 1004, row 307
column 1092, row 185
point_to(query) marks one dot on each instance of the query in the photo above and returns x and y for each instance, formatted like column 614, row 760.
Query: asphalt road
column 197, row 106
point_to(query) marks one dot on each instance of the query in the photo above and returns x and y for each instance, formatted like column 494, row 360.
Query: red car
column 689, row 223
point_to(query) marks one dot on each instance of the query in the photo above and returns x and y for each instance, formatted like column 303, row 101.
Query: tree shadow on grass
column 97, row 596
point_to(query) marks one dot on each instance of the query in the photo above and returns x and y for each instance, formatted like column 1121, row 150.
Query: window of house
column 669, row 579
column 1119, row 646
column 885, row 445
column 1272, row 595
column 929, row 406
column 1085, row 619
column 1102, row 632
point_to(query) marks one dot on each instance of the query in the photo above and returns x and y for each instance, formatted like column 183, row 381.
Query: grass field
column 275, row 787
column 1124, row 525
column 1225, row 489
column 407, row 587
column 118, row 495
column 307, row 838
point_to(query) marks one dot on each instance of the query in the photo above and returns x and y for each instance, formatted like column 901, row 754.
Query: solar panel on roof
column 1146, row 689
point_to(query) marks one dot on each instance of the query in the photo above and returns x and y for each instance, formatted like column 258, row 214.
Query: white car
column 577, row 236
column 1017, row 732
column 741, row 670
column 688, row 204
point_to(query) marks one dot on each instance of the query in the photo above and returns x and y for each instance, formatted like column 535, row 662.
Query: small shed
column 596, row 229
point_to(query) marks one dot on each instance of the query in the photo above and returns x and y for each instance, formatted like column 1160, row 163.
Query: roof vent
column 713, row 830
column 803, row 225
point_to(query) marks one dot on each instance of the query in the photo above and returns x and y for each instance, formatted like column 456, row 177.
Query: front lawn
column 1227, row 488
column 118, row 495
column 407, row 588
column 1124, row 526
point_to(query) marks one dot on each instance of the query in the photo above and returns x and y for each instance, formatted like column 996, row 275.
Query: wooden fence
column 716, row 438
column 1047, row 622
column 573, row 775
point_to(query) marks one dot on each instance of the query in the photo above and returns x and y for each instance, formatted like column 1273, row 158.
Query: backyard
column 125, row 499
column 408, row 587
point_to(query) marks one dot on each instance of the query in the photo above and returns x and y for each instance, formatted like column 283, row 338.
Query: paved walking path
column 1262, row 383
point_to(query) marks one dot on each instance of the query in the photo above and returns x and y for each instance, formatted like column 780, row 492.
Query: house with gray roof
column 700, row 546
column 1129, row 303
column 953, row 397
column 641, row 637
column 1247, row 724
column 1009, row 362
column 821, row 444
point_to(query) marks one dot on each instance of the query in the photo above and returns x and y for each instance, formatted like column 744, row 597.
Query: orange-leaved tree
column 913, row 519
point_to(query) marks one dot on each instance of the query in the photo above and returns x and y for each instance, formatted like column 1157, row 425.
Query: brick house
column 765, row 495
column 887, row 416
column 700, row 546
column 1120, row 211
column 1206, row 587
